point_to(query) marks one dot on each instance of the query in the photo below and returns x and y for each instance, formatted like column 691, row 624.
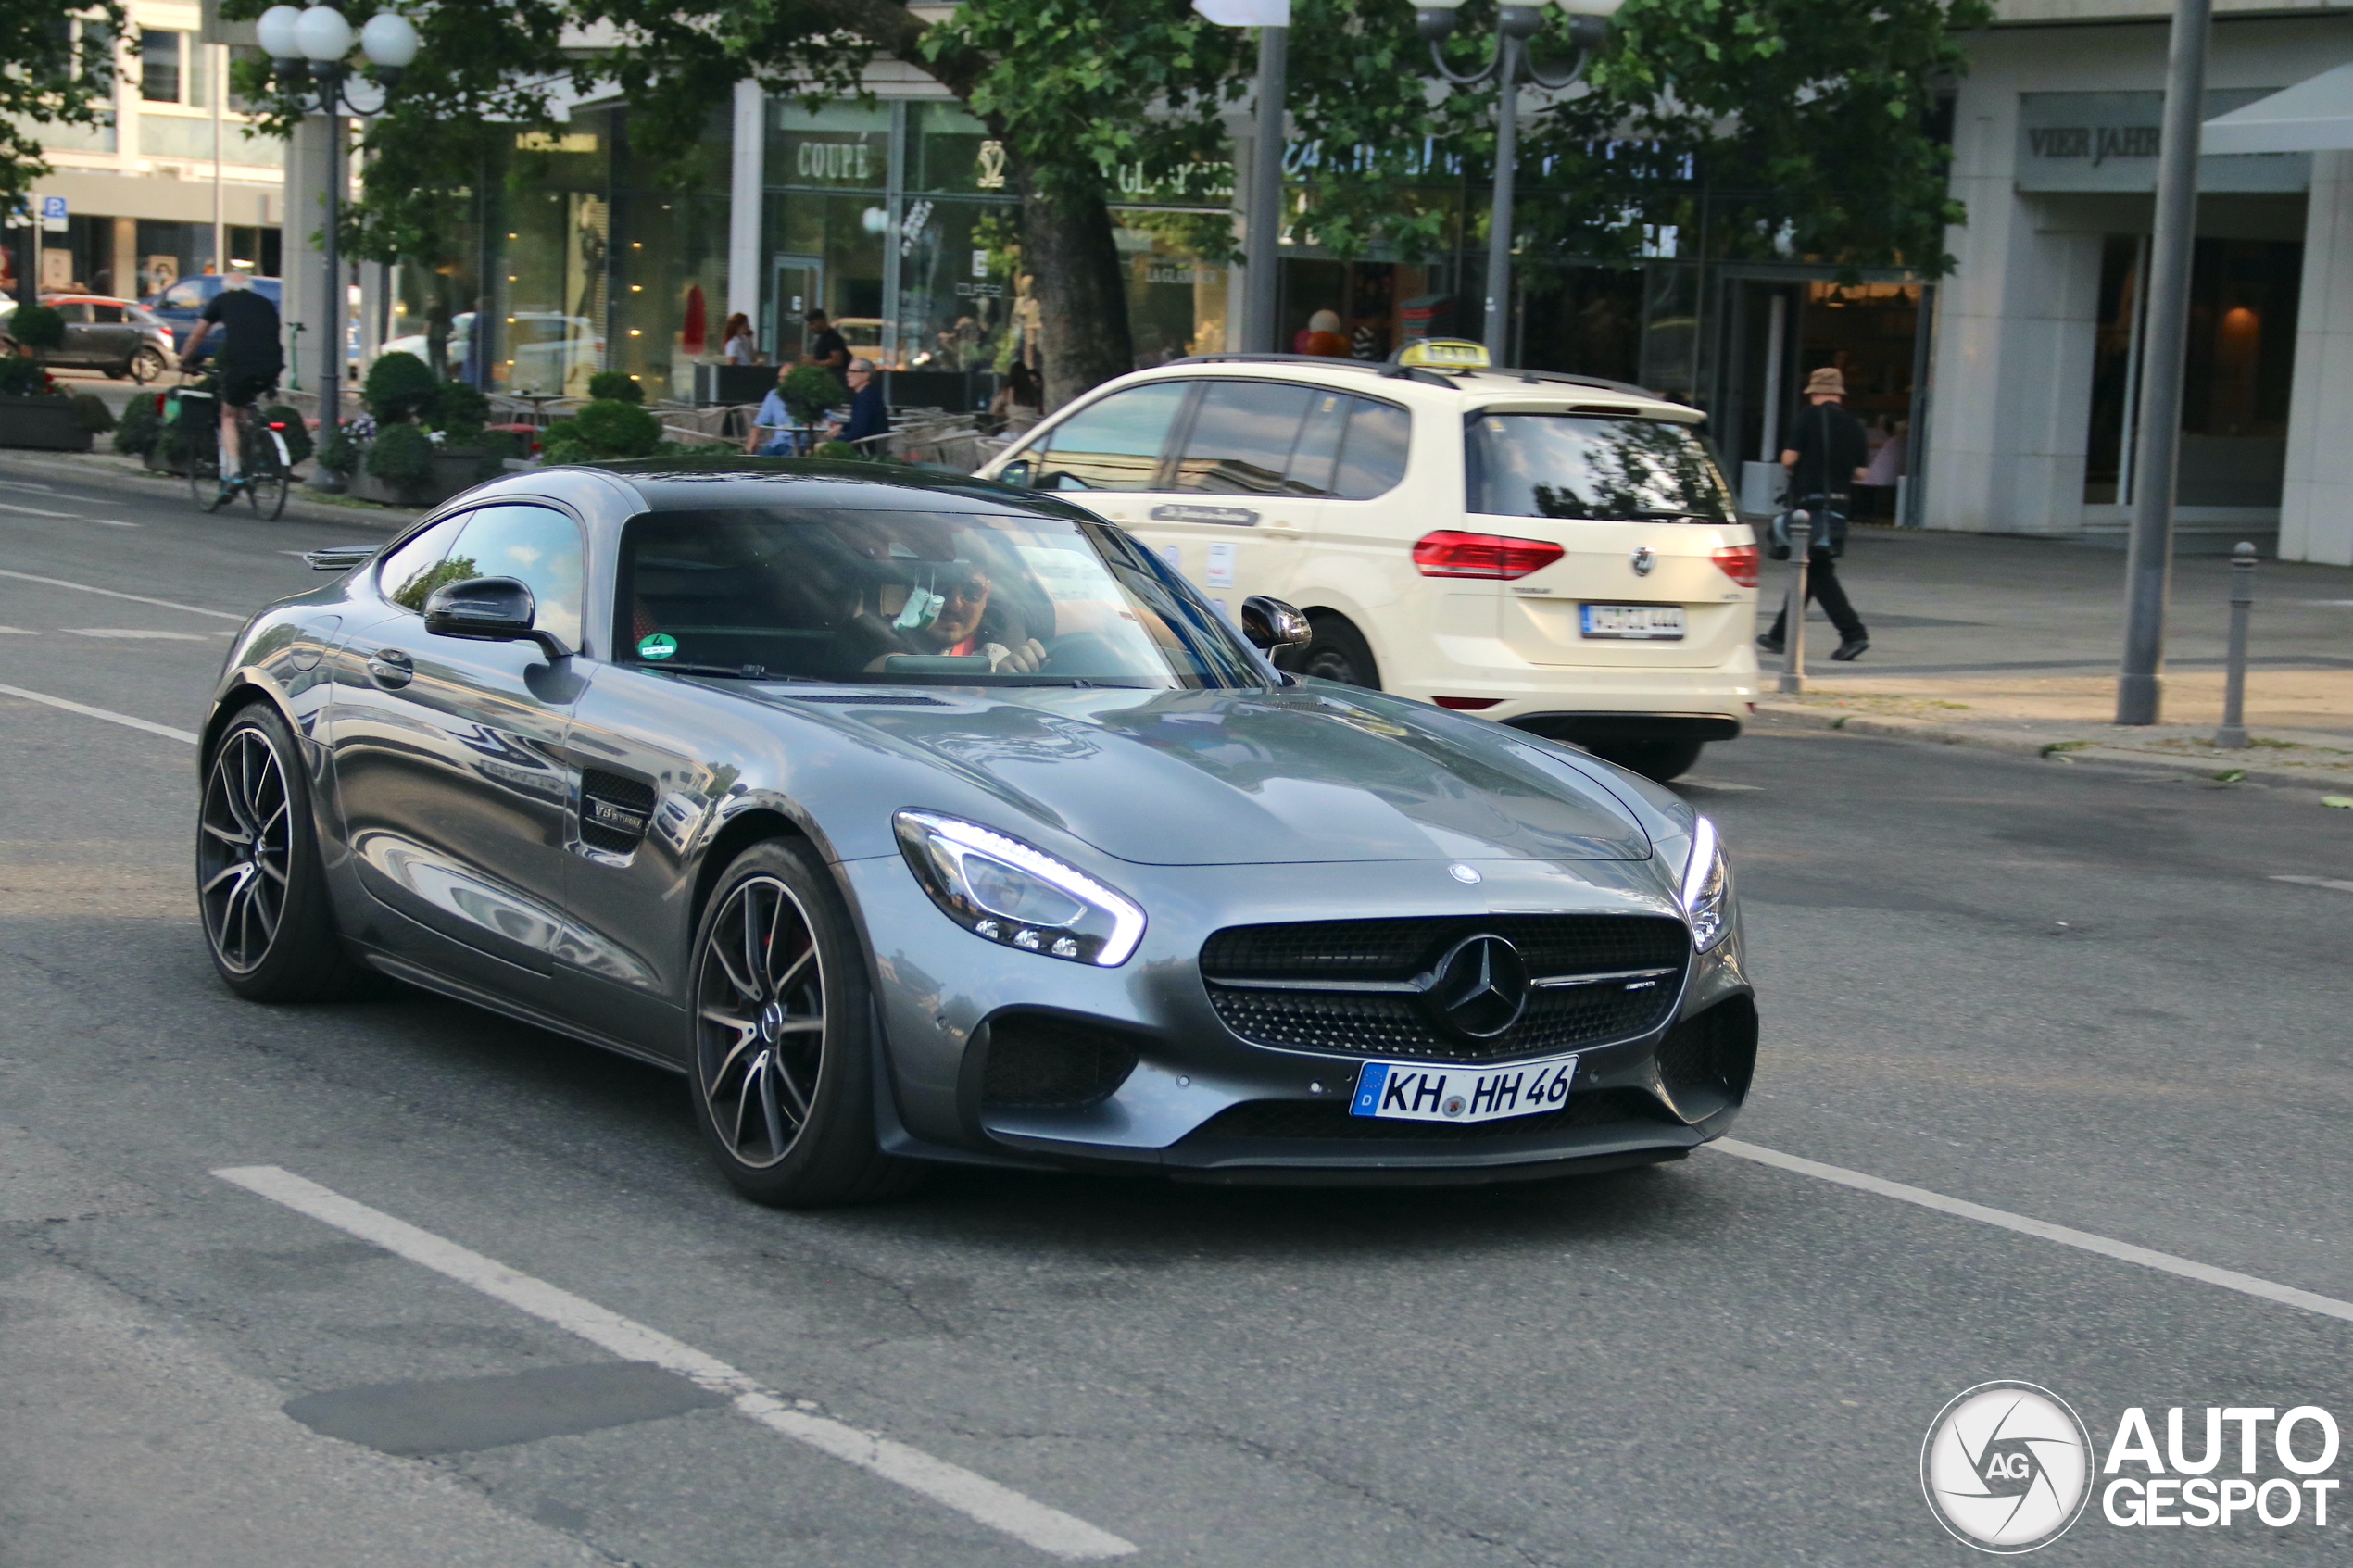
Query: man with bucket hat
column 1830, row 455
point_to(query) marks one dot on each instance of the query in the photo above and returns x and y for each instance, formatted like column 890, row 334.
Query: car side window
column 1242, row 436
column 183, row 296
column 1317, row 453
column 538, row 546
column 108, row 314
column 1372, row 458
column 75, row 315
column 410, row 572
column 1115, row 445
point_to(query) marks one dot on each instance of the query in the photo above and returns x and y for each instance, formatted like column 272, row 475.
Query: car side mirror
column 1270, row 623
column 488, row 610
column 1016, row 474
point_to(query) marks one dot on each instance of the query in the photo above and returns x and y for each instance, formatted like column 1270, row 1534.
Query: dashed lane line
column 2337, row 883
column 134, row 598
column 166, row 731
column 2123, row 1251
column 34, row 512
column 137, row 635
column 974, row 1496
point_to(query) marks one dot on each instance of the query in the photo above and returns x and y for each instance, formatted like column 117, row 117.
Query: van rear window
column 1581, row 466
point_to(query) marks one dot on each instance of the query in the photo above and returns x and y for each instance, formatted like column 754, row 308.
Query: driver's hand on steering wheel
column 1022, row 659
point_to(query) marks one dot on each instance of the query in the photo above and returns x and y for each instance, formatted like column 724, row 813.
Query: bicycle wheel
column 266, row 476
column 204, row 480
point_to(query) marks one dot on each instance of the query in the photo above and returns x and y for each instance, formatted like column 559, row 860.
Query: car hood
column 1315, row 774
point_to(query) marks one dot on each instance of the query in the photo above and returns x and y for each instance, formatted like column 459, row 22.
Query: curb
column 1896, row 727
column 146, row 485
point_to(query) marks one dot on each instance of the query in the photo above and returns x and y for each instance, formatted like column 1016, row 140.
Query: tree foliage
column 56, row 69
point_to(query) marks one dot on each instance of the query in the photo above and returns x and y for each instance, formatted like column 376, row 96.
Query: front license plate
column 1417, row 1091
column 1649, row 622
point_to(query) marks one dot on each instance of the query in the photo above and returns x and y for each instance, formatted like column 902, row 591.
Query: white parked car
column 545, row 352
column 1554, row 552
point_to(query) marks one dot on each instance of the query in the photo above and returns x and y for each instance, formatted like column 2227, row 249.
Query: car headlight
column 1015, row 893
column 1707, row 887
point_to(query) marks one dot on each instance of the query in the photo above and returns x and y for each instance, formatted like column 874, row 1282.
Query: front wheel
column 259, row 884
column 266, row 477
column 1337, row 652
column 784, row 1072
column 204, row 480
column 1659, row 761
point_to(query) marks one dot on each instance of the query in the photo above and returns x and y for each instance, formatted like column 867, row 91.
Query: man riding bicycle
column 249, row 363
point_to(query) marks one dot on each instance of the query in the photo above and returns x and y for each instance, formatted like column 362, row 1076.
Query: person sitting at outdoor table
column 775, row 421
column 869, row 416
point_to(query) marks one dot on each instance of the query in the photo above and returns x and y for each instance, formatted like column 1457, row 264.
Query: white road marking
column 976, row 1496
column 2123, row 1251
column 109, row 522
column 134, row 598
column 17, row 632
column 2337, row 883
column 31, row 511
column 166, row 731
column 135, row 634
column 1718, row 783
column 28, row 484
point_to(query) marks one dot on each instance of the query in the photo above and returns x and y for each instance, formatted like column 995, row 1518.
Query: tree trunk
column 1072, row 261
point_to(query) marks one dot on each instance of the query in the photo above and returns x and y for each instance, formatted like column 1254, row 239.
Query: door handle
column 391, row 668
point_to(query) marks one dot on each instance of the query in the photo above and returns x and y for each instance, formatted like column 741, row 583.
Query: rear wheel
column 783, row 1070
column 1337, row 652
column 204, row 475
column 145, row 366
column 259, row 884
column 266, row 477
column 1658, row 760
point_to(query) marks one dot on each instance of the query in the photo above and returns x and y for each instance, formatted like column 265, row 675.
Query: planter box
column 455, row 471
column 47, row 424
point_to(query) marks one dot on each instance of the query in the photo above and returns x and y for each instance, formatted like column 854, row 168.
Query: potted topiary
column 605, row 429
column 399, row 468
column 34, row 410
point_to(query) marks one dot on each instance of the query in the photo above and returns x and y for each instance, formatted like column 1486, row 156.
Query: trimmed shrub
column 614, row 428
column 841, row 450
column 458, row 407
column 38, row 328
column 91, row 414
column 618, row 386
column 135, row 432
column 809, row 390
column 400, row 386
column 402, row 457
column 339, row 453
column 21, row 376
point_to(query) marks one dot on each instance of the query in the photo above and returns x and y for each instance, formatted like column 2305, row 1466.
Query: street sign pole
column 2149, row 566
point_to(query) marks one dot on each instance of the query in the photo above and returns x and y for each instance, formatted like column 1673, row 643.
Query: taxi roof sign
column 1444, row 354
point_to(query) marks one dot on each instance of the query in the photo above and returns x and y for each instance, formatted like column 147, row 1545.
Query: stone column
column 2316, row 500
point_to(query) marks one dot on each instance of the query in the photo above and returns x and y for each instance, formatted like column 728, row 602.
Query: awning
column 2314, row 116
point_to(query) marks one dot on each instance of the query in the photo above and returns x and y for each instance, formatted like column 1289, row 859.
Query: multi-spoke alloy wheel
column 244, row 855
column 267, row 915
column 760, row 1035
column 783, row 1070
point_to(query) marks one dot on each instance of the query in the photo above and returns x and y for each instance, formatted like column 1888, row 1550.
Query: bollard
column 2232, row 737
column 1801, row 546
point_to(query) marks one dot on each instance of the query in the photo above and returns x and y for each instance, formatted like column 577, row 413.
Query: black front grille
column 1329, row 1120
column 614, row 809
column 1394, row 1024
column 1037, row 1063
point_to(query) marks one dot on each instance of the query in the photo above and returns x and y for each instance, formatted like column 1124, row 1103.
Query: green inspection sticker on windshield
column 661, row 645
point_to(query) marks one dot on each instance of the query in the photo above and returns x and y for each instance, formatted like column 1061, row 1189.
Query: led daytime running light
column 1126, row 919
column 1706, row 891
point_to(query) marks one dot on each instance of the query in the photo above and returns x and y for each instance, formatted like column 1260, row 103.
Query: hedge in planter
column 135, row 432
column 400, row 386
column 618, row 386
column 402, row 455
column 606, row 428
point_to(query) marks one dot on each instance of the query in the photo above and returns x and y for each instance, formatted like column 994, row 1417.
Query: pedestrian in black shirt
column 1827, row 460
column 251, row 359
column 827, row 347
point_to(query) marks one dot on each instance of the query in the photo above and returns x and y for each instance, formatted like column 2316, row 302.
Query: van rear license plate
column 1417, row 1091
column 1651, row 622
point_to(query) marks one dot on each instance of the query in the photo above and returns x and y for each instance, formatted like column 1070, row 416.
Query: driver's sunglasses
column 967, row 588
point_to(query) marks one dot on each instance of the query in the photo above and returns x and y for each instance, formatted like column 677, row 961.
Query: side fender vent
column 614, row 811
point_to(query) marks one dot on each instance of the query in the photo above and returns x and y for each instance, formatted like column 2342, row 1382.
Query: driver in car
column 950, row 618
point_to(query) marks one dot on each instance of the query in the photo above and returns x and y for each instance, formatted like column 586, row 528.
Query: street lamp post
column 317, row 43
column 1588, row 26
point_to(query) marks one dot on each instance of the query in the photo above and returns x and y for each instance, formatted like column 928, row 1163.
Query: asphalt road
column 2066, row 994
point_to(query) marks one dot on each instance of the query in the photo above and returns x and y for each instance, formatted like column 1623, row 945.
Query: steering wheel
column 1083, row 654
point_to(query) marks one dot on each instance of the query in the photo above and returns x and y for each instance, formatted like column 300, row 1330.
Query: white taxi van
column 1556, row 553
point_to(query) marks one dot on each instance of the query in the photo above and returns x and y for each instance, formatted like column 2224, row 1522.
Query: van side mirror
column 1270, row 623
column 488, row 610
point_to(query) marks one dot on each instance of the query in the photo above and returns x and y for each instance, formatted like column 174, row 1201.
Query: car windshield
column 923, row 597
column 1587, row 466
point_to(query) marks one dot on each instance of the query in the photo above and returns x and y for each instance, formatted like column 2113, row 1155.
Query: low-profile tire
column 146, row 366
column 783, row 1068
column 1662, row 760
column 1337, row 652
column 260, row 888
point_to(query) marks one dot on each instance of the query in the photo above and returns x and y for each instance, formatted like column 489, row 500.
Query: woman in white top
column 740, row 345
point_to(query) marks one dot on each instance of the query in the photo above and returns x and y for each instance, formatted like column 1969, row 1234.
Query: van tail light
column 1450, row 554
column 1739, row 562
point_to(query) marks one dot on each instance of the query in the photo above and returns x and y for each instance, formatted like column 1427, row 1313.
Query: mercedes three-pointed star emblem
column 1480, row 987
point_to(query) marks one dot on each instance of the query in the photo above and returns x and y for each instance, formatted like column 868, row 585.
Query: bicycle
column 266, row 470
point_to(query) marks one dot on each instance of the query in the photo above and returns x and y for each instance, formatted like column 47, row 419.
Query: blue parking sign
column 53, row 214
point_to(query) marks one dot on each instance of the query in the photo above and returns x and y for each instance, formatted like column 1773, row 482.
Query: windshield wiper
column 727, row 671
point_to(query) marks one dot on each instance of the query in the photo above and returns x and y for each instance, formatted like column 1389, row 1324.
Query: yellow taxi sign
column 1445, row 354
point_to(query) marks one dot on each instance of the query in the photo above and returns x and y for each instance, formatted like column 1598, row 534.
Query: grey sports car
column 915, row 819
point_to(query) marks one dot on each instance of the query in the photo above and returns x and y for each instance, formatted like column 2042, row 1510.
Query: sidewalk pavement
column 2012, row 643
